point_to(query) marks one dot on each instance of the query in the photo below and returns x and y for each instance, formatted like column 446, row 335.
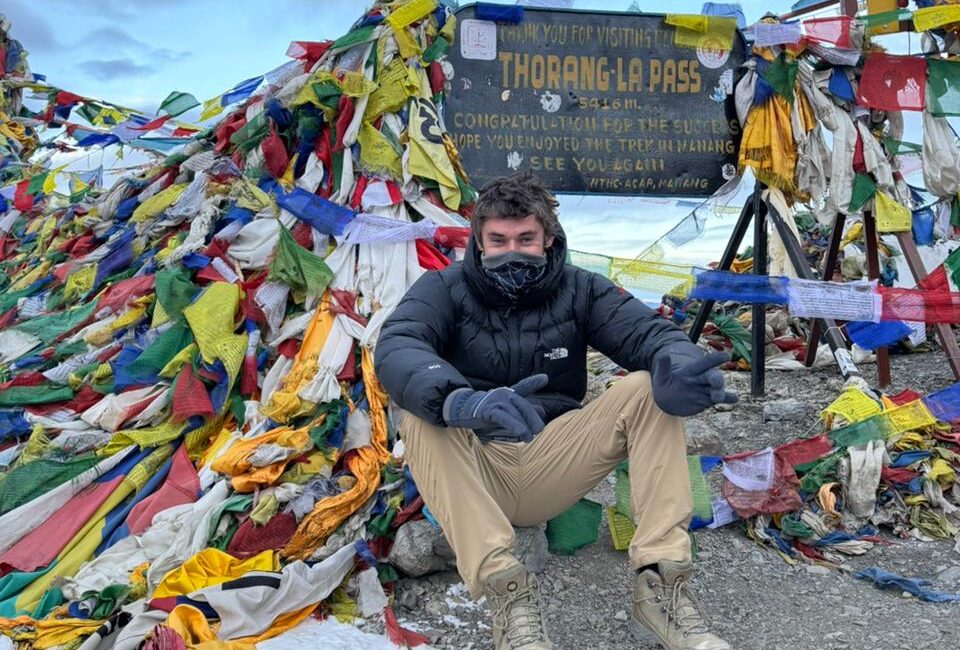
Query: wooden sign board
column 599, row 102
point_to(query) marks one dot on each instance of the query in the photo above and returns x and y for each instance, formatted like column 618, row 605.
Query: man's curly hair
column 515, row 197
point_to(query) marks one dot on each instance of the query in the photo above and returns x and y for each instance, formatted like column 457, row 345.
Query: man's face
column 500, row 235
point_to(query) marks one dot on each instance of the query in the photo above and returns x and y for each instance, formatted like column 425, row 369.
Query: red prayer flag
column 22, row 201
column 275, row 157
column 153, row 124
column 893, row 83
column 183, row 132
column 832, row 31
column 307, row 50
column 190, row 397
column 65, row 98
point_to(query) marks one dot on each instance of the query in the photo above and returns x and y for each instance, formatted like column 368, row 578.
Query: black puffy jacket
column 455, row 329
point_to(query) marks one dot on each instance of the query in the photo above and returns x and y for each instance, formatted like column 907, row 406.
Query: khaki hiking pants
column 479, row 492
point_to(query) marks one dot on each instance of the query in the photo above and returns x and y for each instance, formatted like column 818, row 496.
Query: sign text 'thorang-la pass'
column 593, row 102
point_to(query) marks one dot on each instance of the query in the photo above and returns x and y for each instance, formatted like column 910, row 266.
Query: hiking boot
column 665, row 612
column 513, row 597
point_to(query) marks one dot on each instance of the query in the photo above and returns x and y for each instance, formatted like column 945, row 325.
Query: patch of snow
column 326, row 634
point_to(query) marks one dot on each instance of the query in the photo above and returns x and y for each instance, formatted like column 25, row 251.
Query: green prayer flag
column 943, row 87
column 174, row 291
column 47, row 328
column 178, row 103
column 297, row 267
column 159, row 353
column 863, row 190
column 897, row 147
column 781, row 75
column 89, row 111
column 437, row 49
column 955, row 212
column 874, row 428
column 885, row 18
column 354, row 37
column 35, row 186
column 41, row 394
column 250, row 134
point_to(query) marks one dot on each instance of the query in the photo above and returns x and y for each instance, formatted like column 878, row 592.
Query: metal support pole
column 758, row 340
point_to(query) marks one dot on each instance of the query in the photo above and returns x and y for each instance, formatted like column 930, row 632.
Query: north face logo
column 556, row 354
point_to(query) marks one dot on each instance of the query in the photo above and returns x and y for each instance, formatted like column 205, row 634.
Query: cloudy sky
column 135, row 53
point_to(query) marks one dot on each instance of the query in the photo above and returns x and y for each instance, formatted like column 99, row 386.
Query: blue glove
column 498, row 414
column 685, row 381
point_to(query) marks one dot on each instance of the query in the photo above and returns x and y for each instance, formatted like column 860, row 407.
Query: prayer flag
column 932, row 17
column 893, row 83
column 241, row 91
column 943, row 87
column 211, row 107
column 177, row 103
column 832, row 31
column 891, row 216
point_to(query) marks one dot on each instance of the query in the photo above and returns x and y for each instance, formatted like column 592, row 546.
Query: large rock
column 415, row 549
column 419, row 549
column 702, row 438
column 786, row 410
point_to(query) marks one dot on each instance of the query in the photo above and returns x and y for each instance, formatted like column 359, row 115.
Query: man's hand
column 499, row 414
column 685, row 385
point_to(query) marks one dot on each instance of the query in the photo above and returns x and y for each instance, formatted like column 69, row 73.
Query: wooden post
column 944, row 331
column 826, row 274
column 729, row 253
column 836, row 341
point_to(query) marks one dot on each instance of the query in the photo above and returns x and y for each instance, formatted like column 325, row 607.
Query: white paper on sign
column 766, row 34
column 478, row 39
column 726, row 82
column 753, row 472
column 851, row 301
column 722, row 513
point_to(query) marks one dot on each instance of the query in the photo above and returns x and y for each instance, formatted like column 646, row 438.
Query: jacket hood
column 491, row 295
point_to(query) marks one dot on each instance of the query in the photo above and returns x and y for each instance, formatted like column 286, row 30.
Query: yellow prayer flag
column 179, row 360
column 410, row 13
column 393, row 91
column 654, row 277
column 449, row 28
column 405, row 43
column 79, row 282
column 910, row 417
column 428, row 156
column 211, row 317
column 932, row 17
column 942, row 472
column 211, row 107
column 707, row 32
column 853, row 405
column 50, row 182
column 158, row 203
column 355, row 84
column 891, row 216
column 377, row 155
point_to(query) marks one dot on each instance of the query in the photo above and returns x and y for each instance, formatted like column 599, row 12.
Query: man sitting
column 487, row 359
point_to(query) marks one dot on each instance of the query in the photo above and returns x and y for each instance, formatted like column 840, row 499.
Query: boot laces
column 684, row 608
column 524, row 624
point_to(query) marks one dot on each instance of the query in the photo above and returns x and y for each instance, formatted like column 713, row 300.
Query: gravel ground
column 754, row 598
